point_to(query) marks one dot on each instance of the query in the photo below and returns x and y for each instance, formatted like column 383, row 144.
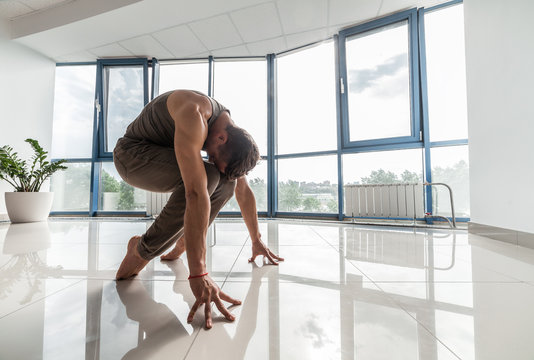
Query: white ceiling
column 84, row 30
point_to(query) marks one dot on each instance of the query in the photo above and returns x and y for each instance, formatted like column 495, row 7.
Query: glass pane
column 242, row 87
column 74, row 96
column 450, row 165
column 306, row 101
column 445, row 61
column 308, row 184
column 192, row 76
column 72, row 188
column 150, row 72
column 384, row 167
column 125, row 100
column 379, row 83
column 257, row 180
column 117, row 195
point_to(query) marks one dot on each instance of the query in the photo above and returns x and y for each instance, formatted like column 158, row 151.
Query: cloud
column 314, row 331
column 363, row 79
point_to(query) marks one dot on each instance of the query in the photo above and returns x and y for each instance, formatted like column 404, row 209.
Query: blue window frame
column 367, row 70
column 101, row 154
column 122, row 92
column 411, row 27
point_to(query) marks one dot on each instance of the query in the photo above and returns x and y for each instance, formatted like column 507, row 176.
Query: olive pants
column 154, row 168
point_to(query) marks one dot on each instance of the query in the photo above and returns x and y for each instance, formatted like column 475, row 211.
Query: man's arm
column 247, row 203
column 190, row 133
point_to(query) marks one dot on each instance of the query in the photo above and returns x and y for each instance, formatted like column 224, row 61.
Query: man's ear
column 222, row 137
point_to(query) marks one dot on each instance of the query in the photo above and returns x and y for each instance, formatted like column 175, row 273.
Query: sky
column 379, row 84
column 73, row 111
column 125, row 100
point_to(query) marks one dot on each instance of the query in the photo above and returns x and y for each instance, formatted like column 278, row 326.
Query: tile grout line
column 387, row 295
column 235, row 261
column 393, row 300
column 192, row 343
column 418, row 323
column 44, row 297
column 484, row 267
column 322, row 238
column 350, row 262
column 224, row 282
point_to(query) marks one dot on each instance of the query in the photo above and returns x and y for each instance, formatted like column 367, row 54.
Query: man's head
column 233, row 151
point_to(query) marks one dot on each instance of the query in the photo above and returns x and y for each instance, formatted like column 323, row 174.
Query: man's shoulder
column 187, row 101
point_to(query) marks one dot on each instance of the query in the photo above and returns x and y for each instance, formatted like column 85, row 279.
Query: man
column 161, row 152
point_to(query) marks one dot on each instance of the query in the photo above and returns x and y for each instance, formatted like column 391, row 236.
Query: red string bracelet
column 196, row 276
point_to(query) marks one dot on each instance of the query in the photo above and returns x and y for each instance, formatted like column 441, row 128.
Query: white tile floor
column 344, row 292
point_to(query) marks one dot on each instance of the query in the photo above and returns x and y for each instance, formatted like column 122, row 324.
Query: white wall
column 500, row 95
column 26, row 99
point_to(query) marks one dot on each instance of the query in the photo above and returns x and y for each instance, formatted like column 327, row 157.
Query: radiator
column 385, row 201
column 155, row 202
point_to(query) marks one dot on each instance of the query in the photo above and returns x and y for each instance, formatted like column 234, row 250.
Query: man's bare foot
column 132, row 263
column 175, row 253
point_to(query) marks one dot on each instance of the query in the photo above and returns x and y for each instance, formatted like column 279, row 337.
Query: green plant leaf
column 16, row 172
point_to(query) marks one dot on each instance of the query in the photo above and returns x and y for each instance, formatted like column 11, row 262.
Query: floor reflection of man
column 161, row 326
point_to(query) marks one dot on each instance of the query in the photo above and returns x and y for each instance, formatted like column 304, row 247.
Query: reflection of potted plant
column 27, row 204
column 25, row 270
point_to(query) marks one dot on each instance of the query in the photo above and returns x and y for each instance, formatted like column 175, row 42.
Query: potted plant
column 26, row 203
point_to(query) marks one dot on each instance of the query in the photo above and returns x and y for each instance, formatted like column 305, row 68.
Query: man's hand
column 206, row 291
column 259, row 248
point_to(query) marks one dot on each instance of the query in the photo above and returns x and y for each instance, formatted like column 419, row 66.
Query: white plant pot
column 110, row 201
column 28, row 206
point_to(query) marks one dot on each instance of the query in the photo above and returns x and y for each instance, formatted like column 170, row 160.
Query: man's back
column 155, row 123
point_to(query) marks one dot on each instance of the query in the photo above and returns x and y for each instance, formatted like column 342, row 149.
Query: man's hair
column 242, row 153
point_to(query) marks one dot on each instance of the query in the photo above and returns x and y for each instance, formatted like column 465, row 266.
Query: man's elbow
column 194, row 195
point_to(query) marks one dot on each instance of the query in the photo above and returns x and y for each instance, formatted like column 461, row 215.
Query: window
column 118, row 90
column 378, row 83
column 445, row 70
column 184, row 75
column 72, row 135
column 447, row 108
column 381, row 91
column 370, row 117
column 125, row 93
column 241, row 86
column 308, row 184
column 383, row 167
column 450, row 165
column 116, row 194
column 72, row 188
column 257, row 180
column 306, row 104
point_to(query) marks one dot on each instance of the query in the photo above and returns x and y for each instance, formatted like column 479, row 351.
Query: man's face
column 216, row 159
column 213, row 149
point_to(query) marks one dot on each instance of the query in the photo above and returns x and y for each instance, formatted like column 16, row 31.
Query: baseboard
column 506, row 235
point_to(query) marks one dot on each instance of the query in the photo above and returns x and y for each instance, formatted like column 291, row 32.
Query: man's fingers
column 229, row 299
column 207, row 313
column 223, row 310
column 271, row 260
column 193, row 311
column 275, row 256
